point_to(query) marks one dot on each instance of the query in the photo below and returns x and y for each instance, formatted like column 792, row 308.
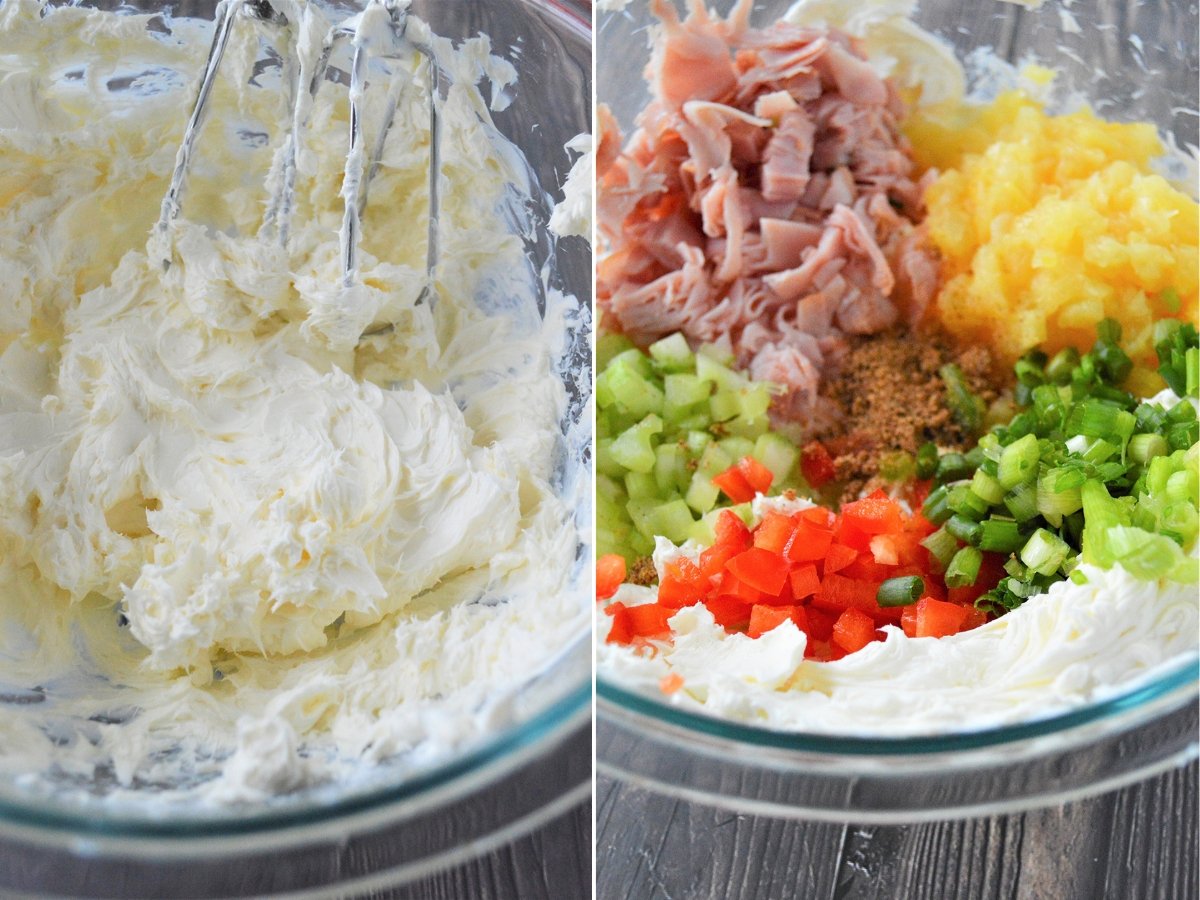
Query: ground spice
column 893, row 400
column 643, row 572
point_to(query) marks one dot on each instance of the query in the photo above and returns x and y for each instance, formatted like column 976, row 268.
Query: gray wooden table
column 1139, row 843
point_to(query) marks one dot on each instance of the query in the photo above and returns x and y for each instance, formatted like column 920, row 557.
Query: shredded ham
column 766, row 200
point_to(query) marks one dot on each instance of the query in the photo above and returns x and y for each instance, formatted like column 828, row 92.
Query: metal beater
column 379, row 21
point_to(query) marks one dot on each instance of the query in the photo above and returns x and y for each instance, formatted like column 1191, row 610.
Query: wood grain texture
column 552, row 863
column 1139, row 843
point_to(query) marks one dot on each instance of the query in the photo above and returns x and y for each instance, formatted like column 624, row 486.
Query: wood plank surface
column 1139, row 843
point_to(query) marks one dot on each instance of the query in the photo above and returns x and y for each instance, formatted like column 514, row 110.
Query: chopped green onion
column 964, row 529
column 1058, row 370
column 964, row 405
column 987, row 488
column 927, row 460
column 1018, row 462
column 952, row 467
column 1044, row 552
column 964, row 568
column 942, row 545
column 1142, row 447
column 1022, row 502
column 1000, row 536
column 937, row 507
column 900, row 591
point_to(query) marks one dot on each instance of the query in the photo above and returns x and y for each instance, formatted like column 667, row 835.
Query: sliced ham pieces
column 765, row 200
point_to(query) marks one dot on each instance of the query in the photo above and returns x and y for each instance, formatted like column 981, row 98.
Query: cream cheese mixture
column 241, row 548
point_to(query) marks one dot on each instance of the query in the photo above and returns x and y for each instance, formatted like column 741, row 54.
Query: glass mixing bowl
column 1132, row 62
column 395, row 823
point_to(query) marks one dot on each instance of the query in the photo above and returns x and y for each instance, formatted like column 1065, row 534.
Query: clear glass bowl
column 1132, row 62
column 394, row 824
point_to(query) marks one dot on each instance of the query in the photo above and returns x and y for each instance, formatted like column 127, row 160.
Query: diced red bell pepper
column 621, row 630
column 975, row 618
column 908, row 620
column 805, row 581
column 773, row 532
column 820, row 623
column 732, row 586
column 838, row 557
column 734, row 485
column 816, row 516
column 649, row 620
column 713, row 559
column 938, row 619
column 764, row 618
column 760, row 569
column 816, row 465
column 845, row 531
column 610, row 572
column 729, row 612
column 864, row 568
column 838, row 593
column 682, row 584
column 758, row 476
column 807, row 544
column 853, row 630
column 730, row 529
column 874, row 514
column 669, row 684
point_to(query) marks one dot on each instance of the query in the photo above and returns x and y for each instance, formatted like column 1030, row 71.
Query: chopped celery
column 633, row 449
column 776, row 453
column 672, row 354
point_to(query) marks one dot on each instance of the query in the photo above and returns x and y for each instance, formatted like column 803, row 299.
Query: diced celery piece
column 702, row 530
column 633, row 448
column 634, row 359
column 751, row 429
column 702, row 494
column 640, row 486
column 722, row 355
column 697, row 442
column 673, row 520
column 715, row 460
column 605, row 464
column 609, row 345
column 724, row 405
column 737, row 447
column 684, row 394
column 777, row 453
column 672, row 354
column 698, row 421
column 640, row 544
column 670, row 468
column 631, row 391
column 722, row 376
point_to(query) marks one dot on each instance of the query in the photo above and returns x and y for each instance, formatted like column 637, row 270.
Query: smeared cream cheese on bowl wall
column 243, row 552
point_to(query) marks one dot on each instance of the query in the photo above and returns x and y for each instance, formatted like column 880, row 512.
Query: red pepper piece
column 853, row 630
column 938, row 619
column 610, row 572
column 816, row 465
column 761, row 569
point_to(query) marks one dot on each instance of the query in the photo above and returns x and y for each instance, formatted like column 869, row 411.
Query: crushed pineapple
column 1048, row 224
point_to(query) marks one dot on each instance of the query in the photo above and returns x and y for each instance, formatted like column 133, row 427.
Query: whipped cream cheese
column 573, row 215
column 243, row 547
